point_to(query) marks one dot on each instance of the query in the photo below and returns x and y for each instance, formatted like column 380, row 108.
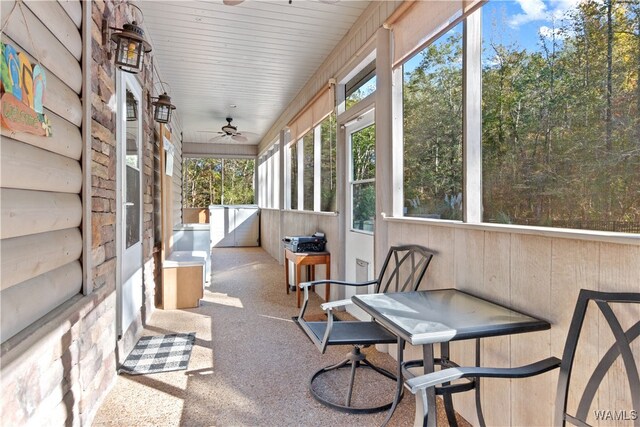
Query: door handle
column 129, row 204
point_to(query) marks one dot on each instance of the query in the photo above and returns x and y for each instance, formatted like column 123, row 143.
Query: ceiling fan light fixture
column 229, row 129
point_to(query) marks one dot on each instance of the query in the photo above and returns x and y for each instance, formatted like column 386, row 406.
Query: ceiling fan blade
column 249, row 134
column 232, row 2
column 221, row 138
column 239, row 138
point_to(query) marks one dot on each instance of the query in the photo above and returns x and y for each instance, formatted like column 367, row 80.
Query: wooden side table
column 310, row 259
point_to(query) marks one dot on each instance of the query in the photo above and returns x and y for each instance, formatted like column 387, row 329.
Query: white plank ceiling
column 256, row 56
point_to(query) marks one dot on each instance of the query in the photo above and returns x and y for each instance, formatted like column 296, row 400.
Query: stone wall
column 58, row 370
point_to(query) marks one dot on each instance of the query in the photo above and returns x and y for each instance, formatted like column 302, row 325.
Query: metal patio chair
column 402, row 271
column 621, row 348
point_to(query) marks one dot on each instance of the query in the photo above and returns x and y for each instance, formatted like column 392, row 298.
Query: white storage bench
column 184, row 274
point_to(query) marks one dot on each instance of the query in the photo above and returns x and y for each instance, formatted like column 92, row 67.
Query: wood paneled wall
column 41, row 178
column 275, row 224
column 540, row 275
column 270, row 238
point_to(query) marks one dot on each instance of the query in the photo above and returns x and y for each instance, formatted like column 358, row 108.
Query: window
column 308, row 165
column 318, row 169
column 217, row 181
column 360, row 86
column 561, row 119
column 363, row 174
column 328, row 164
column 293, row 182
column 432, row 100
column 268, row 177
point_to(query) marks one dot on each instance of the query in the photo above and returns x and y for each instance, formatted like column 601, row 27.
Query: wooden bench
column 183, row 279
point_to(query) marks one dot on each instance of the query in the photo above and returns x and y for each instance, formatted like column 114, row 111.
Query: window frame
column 352, row 182
column 316, row 131
column 471, row 122
column 472, row 187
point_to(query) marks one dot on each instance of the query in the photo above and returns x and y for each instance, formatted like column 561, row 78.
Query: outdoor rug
column 161, row 353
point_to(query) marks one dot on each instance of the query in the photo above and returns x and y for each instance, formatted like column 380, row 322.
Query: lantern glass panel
column 129, row 54
column 162, row 114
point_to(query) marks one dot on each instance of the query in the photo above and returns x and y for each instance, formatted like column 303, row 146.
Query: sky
column 522, row 21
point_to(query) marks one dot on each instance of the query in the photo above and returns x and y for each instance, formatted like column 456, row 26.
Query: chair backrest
column 403, row 269
column 620, row 348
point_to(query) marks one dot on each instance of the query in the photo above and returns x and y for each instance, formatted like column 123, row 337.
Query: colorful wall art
column 23, row 90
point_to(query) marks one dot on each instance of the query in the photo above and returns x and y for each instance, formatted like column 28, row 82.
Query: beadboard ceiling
column 256, row 55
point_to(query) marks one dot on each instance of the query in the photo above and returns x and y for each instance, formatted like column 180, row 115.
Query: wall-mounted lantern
column 163, row 108
column 130, row 44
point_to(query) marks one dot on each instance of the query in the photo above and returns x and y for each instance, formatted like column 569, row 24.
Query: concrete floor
column 250, row 365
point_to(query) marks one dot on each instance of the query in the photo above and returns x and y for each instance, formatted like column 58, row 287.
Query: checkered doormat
column 161, row 353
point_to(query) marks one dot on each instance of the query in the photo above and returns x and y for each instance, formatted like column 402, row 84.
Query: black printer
column 313, row 243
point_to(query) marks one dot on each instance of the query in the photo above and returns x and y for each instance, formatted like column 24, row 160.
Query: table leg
column 427, row 360
column 286, row 272
column 327, row 276
column 311, row 276
column 446, row 397
column 477, row 380
column 399, row 384
column 298, row 273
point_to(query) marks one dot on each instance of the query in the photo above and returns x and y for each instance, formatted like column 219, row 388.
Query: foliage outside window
column 328, row 164
column 293, row 162
column 308, row 164
column 561, row 115
column 363, row 173
column 217, row 181
column 432, row 99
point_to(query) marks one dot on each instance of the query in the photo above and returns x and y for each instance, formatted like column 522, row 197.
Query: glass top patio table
column 438, row 317
column 435, row 316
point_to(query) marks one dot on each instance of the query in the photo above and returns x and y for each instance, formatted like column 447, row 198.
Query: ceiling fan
column 230, row 133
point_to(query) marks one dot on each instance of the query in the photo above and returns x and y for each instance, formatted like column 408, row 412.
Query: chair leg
column 355, row 359
column 354, row 365
column 380, row 370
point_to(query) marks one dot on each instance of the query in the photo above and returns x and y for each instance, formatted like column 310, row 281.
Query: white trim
column 317, row 166
column 565, row 233
column 472, row 119
column 306, row 212
column 397, row 141
column 87, row 151
column 285, row 172
column 300, row 177
column 359, row 109
column 358, row 231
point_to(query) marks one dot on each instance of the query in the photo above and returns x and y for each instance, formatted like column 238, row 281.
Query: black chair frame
column 403, row 270
column 621, row 348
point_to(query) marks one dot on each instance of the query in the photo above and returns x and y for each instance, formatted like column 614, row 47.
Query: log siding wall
column 57, row 370
column 41, row 178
